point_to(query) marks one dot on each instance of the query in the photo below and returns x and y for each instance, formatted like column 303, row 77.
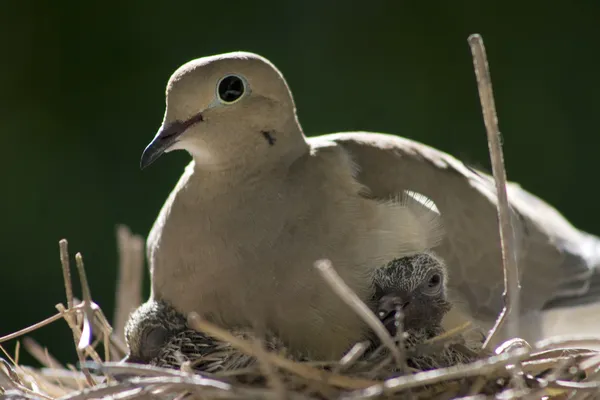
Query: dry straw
column 557, row 368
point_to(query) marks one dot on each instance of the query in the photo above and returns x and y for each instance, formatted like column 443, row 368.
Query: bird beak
column 166, row 136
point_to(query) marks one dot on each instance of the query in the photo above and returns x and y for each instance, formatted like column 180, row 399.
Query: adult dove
column 236, row 239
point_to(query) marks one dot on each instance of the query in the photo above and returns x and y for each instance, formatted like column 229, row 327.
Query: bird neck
column 264, row 148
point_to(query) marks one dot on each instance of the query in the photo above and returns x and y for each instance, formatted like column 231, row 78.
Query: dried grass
column 556, row 368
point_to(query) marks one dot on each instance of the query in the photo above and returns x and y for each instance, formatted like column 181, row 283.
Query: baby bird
column 158, row 335
column 415, row 285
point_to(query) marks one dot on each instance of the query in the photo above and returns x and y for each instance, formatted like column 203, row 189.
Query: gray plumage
column 416, row 285
column 236, row 239
column 156, row 334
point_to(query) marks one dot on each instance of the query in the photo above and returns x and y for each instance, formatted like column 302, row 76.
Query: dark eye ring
column 434, row 284
column 153, row 340
column 434, row 280
column 231, row 88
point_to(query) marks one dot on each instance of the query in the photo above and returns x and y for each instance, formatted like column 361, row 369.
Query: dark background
column 82, row 93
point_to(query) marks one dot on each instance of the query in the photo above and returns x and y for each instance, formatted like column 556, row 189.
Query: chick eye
column 434, row 284
column 152, row 342
column 230, row 89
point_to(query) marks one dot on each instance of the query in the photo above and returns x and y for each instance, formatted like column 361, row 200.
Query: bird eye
column 153, row 340
column 434, row 284
column 230, row 89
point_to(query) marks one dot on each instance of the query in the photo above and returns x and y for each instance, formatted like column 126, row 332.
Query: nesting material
column 240, row 366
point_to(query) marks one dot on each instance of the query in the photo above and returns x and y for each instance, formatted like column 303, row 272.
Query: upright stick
column 510, row 314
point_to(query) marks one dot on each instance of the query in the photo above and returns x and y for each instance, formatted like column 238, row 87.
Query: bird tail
column 581, row 288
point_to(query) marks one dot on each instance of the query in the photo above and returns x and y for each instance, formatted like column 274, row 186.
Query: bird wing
column 553, row 256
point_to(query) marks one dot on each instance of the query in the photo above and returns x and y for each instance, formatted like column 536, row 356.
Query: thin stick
column 64, row 261
column 7, row 381
column 38, row 325
column 509, row 262
column 41, row 354
column 63, row 245
column 118, row 348
column 129, row 283
column 450, row 334
column 564, row 342
column 351, row 357
column 268, row 370
column 77, row 339
column 88, row 311
column 349, row 297
column 477, row 368
column 89, row 350
column 302, row 370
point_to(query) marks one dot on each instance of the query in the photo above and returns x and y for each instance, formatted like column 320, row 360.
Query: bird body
column 253, row 254
column 237, row 237
column 558, row 263
column 158, row 335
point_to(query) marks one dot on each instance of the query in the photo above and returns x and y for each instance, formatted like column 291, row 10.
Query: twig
column 41, row 354
column 5, row 379
column 592, row 386
column 591, row 362
column 350, row 298
column 71, row 318
column 77, row 339
column 101, row 324
column 406, row 382
column 112, row 345
column 129, row 283
column 89, row 350
column 44, row 385
column 11, row 373
column 8, row 378
column 38, row 325
column 303, row 370
column 350, row 358
column 104, row 390
column 267, row 369
column 458, row 330
column 12, row 378
column 64, row 261
column 567, row 341
column 115, row 369
column 436, row 343
column 17, row 352
column 88, row 309
column 509, row 262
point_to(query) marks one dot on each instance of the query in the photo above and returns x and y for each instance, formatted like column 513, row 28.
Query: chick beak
column 389, row 306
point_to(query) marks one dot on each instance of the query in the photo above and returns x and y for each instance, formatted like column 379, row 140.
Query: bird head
column 414, row 285
column 148, row 329
column 225, row 109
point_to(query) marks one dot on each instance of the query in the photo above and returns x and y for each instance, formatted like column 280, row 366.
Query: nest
column 416, row 366
column 444, row 366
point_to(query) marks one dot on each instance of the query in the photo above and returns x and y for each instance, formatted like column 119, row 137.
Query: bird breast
column 247, row 259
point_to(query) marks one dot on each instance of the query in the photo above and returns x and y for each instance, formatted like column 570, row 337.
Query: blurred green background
column 82, row 93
